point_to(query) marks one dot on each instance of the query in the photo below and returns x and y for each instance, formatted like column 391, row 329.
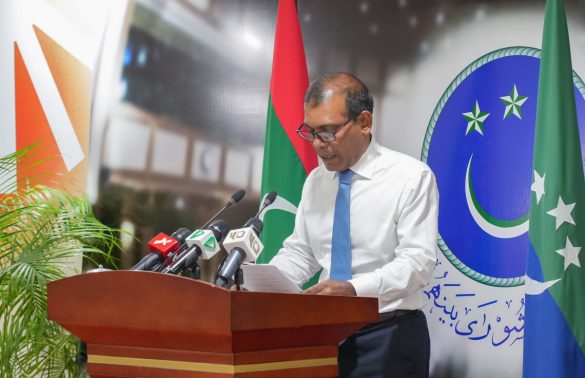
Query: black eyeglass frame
column 324, row 136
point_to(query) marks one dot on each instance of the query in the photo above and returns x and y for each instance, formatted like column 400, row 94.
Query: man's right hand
column 331, row 287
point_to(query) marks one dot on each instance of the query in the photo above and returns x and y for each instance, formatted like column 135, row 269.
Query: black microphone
column 204, row 242
column 244, row 246
column 235, row 198
column 160, row 247
column 180, row 235
column 270, row 197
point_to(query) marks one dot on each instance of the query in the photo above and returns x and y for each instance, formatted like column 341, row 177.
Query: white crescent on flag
column 534, row 287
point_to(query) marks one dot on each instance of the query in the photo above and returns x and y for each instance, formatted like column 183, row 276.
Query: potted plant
column 42, row 230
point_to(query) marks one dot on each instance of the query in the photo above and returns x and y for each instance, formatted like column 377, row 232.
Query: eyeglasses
column 309, row 135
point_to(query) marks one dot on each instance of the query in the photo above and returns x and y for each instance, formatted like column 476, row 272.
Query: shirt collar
column 367, row 163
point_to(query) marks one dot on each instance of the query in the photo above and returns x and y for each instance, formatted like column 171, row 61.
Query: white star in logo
column 513, row 103
column 570, row 253
column 538, row 186
column 562, row 213
column 475, row 119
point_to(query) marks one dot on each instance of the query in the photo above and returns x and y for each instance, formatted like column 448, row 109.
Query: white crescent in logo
column 503, row 232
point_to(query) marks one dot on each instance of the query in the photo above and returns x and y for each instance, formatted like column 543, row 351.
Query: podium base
column 116, row 361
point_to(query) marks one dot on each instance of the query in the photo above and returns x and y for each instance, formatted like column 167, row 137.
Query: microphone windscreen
column 220, row 229
column 237, row 196
column 181, row 234
column 269, row 198
column 256, row 224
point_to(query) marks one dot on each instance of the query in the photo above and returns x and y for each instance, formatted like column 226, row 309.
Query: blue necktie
column 340, row 242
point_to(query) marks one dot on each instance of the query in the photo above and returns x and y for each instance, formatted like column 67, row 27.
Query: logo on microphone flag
column 554, row 334
column 205, row 240
column 163, row 243
column 287, row 158
column 210, row 243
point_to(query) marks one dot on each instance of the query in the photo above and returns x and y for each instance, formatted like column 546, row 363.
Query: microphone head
column 181, row 234
column 270, row 197
column 236, row 197
column 245, row 241
column 256, row 224
column 220, row 229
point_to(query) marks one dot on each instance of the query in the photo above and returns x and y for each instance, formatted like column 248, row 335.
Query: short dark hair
column 357, row 95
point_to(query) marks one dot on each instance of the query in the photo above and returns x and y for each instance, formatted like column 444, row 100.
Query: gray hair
column 357, row 95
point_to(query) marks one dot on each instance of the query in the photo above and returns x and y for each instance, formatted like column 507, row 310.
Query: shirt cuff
column 365, row 285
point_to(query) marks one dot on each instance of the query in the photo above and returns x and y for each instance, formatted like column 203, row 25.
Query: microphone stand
column 196, row 272
column 239, row 279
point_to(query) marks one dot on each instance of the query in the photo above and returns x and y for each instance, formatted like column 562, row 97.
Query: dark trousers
column 397, row 347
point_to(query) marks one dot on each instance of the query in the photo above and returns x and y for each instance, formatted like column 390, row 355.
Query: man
column 368, row 220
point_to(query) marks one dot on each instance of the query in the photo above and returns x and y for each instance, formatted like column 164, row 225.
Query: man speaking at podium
column 368, row 219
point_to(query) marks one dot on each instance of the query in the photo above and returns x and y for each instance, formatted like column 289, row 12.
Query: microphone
column 235, row 198
column 180, row 235
column 244, row 246
column 203, row 242
column 270, row 197
column 160, row 247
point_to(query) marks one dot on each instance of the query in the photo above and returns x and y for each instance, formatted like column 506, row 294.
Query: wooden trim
column 211, row 368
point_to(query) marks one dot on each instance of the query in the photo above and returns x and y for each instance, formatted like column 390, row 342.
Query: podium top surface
column 147, row 300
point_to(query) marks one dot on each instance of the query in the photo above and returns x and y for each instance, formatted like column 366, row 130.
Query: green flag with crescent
column 287, row 158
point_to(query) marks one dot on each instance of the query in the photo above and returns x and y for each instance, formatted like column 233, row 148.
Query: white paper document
column 263, row 277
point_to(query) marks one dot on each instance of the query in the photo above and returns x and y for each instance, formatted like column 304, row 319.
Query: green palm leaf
column 42, row 230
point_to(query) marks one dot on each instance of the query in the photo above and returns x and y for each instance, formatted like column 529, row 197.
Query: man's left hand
column 331, row 287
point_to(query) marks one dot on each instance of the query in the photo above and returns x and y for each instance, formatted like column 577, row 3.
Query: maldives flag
column 287, row 158
column 554, row 334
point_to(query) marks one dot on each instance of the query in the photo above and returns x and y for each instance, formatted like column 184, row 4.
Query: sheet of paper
column 263, row 277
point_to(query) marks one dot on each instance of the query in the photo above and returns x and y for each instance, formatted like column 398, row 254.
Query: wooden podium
column 144, row 324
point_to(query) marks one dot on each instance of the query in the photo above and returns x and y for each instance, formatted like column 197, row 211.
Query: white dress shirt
column 393, row 226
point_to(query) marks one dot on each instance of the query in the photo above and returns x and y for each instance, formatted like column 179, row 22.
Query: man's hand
column 331, row 287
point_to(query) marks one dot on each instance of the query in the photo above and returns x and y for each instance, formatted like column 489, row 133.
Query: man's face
column 351, row 138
